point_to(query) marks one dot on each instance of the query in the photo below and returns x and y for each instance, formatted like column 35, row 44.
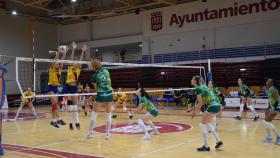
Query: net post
column 17, row 80
column 34, row 74
column 209, row 74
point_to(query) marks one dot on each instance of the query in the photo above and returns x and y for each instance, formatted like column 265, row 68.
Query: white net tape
column 33, row 73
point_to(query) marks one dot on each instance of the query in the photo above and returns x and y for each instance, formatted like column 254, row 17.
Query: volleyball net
column 33, row 73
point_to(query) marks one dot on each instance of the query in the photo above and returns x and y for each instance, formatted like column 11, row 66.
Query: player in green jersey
column 205, row 96
column 272, row 111
column 221, row 97
column 151, row 113
column 102, row 85
column 246, row 98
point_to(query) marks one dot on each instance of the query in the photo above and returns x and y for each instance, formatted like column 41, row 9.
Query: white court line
column 52, row 144
column 183, row 143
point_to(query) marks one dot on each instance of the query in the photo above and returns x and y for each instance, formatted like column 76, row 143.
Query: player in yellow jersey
column 26, row 101
column 71, row 87
column 55, row 70
column 121, row 99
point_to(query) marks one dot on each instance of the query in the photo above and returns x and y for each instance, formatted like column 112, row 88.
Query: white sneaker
column 89, row 136
column 107, row 135
column 146, row 137
column 12, row 120
column 155, row 132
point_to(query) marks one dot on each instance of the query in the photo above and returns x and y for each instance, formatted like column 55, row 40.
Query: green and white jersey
column 102, row 79
column 245, row 90
column 272, row 102
column 147, row 104
column 219, row 95
column 208, row 97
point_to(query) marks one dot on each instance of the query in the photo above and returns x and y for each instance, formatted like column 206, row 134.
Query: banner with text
column 215, row 13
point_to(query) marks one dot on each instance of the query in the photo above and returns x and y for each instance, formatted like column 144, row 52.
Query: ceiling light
column 14, row 12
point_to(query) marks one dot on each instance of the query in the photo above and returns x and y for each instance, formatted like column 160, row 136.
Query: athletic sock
column 204, row 133
column 92, row 121
column 34, row 112
column 214, row 122
column 18, row 112
column 271, row 126
column 70, row 117
column 253, row 110
column 142, row 125
column 108, row 121
column 153, row 126
column 214, row 133
column 76, row 113
column 241, row 109
column 267, row 128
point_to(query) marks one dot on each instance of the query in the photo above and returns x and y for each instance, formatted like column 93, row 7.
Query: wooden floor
column 36, row 138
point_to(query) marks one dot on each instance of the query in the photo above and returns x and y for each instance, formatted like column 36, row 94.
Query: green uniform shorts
column 104, row 96
column 154, row 112
column 214, row 109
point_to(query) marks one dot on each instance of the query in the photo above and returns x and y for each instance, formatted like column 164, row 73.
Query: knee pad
column 83, row 107
column 70, row 108
column 75, row 108
column 54, row 107
column 91, row 106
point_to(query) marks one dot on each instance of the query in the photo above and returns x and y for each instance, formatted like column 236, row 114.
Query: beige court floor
column 36, row 138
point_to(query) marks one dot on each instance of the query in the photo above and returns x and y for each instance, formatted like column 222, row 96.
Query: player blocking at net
column 55, row 70
column 71, row 87
column 27, row 101
column 101, row 81
column 121, row 99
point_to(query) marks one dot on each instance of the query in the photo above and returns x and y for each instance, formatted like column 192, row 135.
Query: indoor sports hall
column 139, row 78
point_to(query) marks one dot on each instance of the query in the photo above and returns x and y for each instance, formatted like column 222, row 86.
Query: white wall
column 237, row 31
column 250, row 34
column 125, row 25
column 16, row 40
column 259, row 33
column 114, row 27
column 75, row 32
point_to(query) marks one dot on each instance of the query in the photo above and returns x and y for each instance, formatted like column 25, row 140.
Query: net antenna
column 38, row 71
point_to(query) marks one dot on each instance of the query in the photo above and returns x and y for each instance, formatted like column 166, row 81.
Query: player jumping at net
column 272, row 111
column 71, row 87
column 102, row 85
column 87, row 100
column 151, row 113
column 27, row 101
column 55, row 71
column 221, row 97
column 246, row 98
column 121, row 101
column 204, row 95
